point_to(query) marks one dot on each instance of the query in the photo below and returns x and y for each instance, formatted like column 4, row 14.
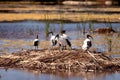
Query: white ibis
column 87, row 43
column 36, row 42
column 53, row 41
column 66, row 37
column 63, row 40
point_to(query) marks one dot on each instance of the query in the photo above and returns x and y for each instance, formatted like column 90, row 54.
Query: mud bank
column 68, row 60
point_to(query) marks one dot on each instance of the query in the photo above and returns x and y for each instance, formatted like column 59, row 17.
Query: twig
column 92, row 55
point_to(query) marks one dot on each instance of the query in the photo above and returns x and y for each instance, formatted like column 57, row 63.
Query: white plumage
column 63, row 40
column 53, row 41
column 66, row 37
column 36, row 42
column 87, row 43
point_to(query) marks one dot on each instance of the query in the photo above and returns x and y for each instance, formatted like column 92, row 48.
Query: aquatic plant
column 31, row 31
column 47, row 26
column 79, row 29
column 91, row 26
column 109, row 41
column 108, row 23
column 83, row 25
column 52, row 28
column 61, row 25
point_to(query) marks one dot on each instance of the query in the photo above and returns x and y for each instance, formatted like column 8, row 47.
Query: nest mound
column 105, row 30
column 73, row 60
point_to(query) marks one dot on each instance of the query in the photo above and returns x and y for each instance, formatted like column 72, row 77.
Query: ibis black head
column 50, row 32
column 88, row 36
column 63, row 31
column 57, row 36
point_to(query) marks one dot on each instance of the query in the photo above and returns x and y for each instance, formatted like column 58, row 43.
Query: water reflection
column 12, row 74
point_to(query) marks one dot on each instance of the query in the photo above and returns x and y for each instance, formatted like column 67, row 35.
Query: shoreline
column 59, row 21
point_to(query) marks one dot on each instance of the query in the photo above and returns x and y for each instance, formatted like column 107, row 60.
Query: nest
column 72, row 60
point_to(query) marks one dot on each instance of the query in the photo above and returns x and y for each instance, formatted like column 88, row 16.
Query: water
column 15, row 35
column 25, row 31
column 13, row 74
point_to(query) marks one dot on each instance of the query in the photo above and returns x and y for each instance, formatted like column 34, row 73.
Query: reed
column 91, row 26
column 108, row 22
column 47, row 27
column 83, row 25
column 31, row 31
column 61, row 25
column 109, row 41
column 79, row 29
column 52, row 28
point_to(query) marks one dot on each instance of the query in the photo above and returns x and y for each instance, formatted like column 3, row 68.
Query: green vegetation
column 47, row 27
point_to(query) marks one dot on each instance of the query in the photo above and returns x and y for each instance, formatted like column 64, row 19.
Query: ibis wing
column 36, row 43
column 89, row 43
column 68, row 42
column 54, row 42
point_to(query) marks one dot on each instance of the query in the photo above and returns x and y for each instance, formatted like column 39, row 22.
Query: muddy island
column 68, row 60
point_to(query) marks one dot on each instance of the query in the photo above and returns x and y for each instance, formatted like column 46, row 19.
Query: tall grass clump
column 47, row 27
column 108, row 23
column 109, row 42
column 83, row 26
column 31, row 31
column 84, row 23
column 91, row 26
column 53, row 27
column 61, row 25
column 79, row 29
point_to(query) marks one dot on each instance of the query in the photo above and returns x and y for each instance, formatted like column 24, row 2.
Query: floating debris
column 105, row 30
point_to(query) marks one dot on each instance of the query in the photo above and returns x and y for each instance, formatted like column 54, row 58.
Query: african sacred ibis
column 53, row 41
column 66, row 37
column 87, row 43
column 36, row 42
column 63, row 40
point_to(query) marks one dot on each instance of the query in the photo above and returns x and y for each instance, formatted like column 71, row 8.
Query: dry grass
column 52, row 16
column 38, row 12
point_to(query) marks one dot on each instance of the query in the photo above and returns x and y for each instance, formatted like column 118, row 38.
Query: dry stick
column 94, row 58
column 53, row 58
column 92, row 55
